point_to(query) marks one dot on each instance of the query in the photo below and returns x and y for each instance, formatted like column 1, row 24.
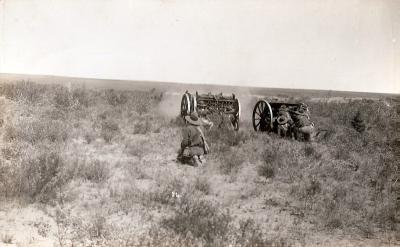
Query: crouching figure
column 193, row 145
column 303, row 125
column 284, row 122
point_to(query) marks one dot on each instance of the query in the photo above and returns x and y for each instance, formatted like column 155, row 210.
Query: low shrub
column 202, row 184
column 98, row 227
column 266, row 170
column 167, row 193
column 249, row 234
column 142, row 126
column 231, row 161
column 37, row 130
column 115, row 98
column 200, row 218
column 95, row 171
column 61, row 96
column 25, row 91
column 358, row 122
column 227, row 137
column 136, row 148
column 42, row 175
column 309, row 150
column 81, row 96
column 109, row 130
column 7, row 238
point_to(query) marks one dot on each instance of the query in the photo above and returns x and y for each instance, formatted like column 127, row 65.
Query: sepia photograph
column 199, row 123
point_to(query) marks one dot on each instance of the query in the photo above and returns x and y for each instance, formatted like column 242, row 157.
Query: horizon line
column 193, row 83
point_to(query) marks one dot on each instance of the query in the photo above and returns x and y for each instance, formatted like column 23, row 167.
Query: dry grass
column 81, row 149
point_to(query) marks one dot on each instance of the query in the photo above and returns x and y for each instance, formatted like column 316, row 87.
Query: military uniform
column 193, row 145
column 303, row 125
column 284, row 121
column 203, row 114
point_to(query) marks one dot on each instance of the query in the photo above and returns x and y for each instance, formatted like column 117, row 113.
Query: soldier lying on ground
column 303, row 125
column 193, row 145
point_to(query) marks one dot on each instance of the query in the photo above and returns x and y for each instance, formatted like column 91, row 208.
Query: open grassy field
column 93, row 166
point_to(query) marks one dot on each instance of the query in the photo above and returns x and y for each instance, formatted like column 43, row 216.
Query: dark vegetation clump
column 115, row 98
column 43, row 176
column 358, row 122
column 109, row 130
column 200, row 218
column 266, row 170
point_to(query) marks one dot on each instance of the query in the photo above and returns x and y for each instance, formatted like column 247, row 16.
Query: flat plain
column 87, row 162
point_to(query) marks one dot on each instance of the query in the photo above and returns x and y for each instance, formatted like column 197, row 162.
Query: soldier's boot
column 202, row 160
column 196, row 161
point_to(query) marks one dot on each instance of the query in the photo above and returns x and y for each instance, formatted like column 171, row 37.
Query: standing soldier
column 193, row 145
column 303, row 124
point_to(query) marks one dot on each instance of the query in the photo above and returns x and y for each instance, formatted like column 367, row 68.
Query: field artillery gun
column 266, row 117
column 212, row 103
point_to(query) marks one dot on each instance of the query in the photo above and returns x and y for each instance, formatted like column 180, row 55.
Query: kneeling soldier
column 303, row 125
column 193, row 145
column 284, row 121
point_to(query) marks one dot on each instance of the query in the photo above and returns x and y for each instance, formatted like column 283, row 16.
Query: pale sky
column 351, row 45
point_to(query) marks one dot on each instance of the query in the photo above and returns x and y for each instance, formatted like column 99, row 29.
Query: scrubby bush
column 249, row 234
column 81, row 96
column 25, row 91
column 167, row 193
column 34, row 131
column 309, row 150
column 109, row 129
column 266, row 170
column 358, row 122
column 143, row 126
column 98, row 227
column 95, row 171
column 225, row 137
column 61, row 96
column 115, row 98
column 200, row 218
column 231, row 161
column 202, row 184
column 42, row 175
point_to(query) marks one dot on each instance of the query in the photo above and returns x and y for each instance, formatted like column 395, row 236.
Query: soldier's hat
column 201, row 103
column 282, row 120
column 300, row 111
column 194, row 119
column 283, row 108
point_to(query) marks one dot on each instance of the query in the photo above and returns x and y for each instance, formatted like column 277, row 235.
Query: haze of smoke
column 171, row 104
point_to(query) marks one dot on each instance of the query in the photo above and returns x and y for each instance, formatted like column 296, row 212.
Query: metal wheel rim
column 237, row 116
column 185, row 105
column 194, row 104
column 262, row 116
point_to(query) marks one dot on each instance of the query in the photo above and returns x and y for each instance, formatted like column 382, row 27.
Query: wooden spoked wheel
column 236, row 117
column 262, row 116
column 185, row 105
column 193, row 103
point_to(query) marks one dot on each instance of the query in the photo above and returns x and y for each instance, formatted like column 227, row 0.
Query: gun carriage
column 212, row 103
column 266, row 114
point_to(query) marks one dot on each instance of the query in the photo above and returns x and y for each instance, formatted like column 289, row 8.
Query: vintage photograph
column 199, row 123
